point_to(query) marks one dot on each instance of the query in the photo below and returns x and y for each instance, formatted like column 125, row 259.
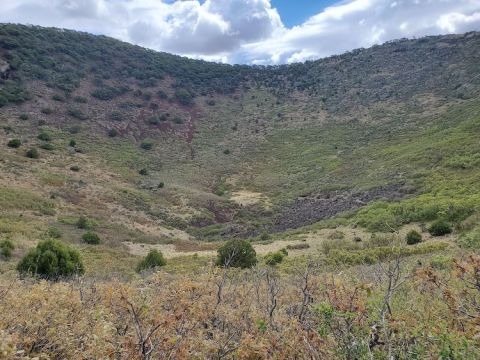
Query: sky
column 251, row 31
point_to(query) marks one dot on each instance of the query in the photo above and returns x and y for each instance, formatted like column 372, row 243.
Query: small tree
column 413, row 237
column 84, row 223
column 439, row 228
column 146, row 144
column 51, row 260
column 274, row 258
column 14, row 143
column 44, row 136
column 237, row 253
column 91, row 238
column 33, row 153
column 6, row 248
column 152, row 260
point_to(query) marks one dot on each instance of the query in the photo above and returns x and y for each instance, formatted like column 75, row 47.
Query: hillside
column 335, row 159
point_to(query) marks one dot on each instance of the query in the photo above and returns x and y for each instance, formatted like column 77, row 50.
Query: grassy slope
column 349, row 129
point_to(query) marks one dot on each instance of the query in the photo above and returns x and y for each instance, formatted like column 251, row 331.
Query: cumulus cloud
column 249, row 31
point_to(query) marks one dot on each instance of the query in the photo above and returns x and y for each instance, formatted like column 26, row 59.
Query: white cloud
column 248, row 31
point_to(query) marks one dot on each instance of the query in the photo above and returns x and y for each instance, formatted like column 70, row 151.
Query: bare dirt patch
column 248, row 198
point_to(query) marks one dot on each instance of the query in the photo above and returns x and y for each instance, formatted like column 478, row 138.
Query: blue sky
column 295, row 12
column 251, row 31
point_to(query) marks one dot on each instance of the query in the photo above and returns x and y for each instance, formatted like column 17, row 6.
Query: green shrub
column 6, row 248
column 183, row 97
column 33, row 153
column 72, row 143
column 300, row 246
column 152, row 260
column 23, row 116
column 80, row 99
column 54, row 232
column 85, row 223
column 51, row 260
column 441, row 262
column 146, row 144
column 44, row 137
column 47, row 146
column 177, row 120
column 237, row 253
column 274, row 258
column 264, row 236
column 75, row 168
column 47, row 111
column 161, row 184
column 112, row 132
column 59, row 98
column 116, row 116
column 413, row 237
column 143, row 172
column 14, row 143
column 91, row 238
column 162, row 94
column 439, row 228
column 226, row 151
column 470, row 240
column 108, row 92
column 77, row 114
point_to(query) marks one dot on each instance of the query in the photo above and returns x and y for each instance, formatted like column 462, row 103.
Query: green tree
column 152, row 260
column 237, row 253
column 91, row 238
column 14, row 143
column 413, row 237
column 439, row 228
column 6, row 248
column 33, row 153
column 51, row 260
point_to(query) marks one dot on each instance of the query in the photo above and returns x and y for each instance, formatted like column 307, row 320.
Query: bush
column 44, row 137
column 33, row 153
column 77, row 113
column 112, row 132
column 439, row 228
column 413, row 237
column 143, row 172
column 47, row 146
column 54, row 233
column 237, row 253
column 226, row 151
column 146, row 144
column 47, row 111
column 470, row 240
column 300, row 246
column 84, row 223
column 152, row 260
column 51, row 260
column 274, row 258
column 184, row 97
column 161, row 185
column 264, row 236
column 57, row 97
column 91, row 238
column 23, row 116
column 14, row 143
column 75, row 168
column 72, row 143
column 116, row 116
column 6, row 248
